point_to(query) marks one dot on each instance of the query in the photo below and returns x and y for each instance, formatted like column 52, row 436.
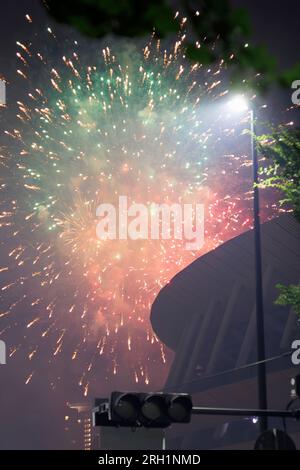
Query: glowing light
column 238, row 104
column 92, row 128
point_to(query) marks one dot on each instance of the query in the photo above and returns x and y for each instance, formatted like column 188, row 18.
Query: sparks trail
column 135, row 125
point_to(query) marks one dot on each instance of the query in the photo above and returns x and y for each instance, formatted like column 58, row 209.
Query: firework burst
column 134, row 125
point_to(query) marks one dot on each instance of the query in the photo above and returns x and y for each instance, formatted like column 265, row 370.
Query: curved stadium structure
column 206, row 315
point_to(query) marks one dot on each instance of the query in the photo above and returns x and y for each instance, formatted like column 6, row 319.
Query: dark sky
column 276, row 24
column 32, row 417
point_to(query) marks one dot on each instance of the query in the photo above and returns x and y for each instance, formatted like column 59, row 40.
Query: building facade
column 79, row 429
column 207, row 316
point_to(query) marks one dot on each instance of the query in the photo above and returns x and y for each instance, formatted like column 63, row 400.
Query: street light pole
column 239, row 104
column 260, row 329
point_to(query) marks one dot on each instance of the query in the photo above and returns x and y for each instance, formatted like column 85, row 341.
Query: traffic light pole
column 199, row 410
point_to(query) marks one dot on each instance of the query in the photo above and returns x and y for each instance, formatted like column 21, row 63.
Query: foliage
column 222, row 31
column 282, row 151
column 289, row 295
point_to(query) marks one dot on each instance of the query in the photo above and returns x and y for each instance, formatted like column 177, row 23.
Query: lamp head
column 238, row 104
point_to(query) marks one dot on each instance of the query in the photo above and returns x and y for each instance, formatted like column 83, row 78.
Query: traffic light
column 152, row 410
column 124, row 407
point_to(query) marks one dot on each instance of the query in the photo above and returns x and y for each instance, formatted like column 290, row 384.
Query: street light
column 239, row 104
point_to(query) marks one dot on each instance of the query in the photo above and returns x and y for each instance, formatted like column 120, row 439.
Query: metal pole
column 260, row 330
column 202, row 410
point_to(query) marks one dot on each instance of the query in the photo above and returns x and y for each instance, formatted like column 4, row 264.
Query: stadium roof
column 207, row 312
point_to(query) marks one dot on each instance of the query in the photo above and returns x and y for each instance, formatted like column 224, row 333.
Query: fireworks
column 138, row 125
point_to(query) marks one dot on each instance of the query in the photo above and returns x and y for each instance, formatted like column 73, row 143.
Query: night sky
column 32, row 417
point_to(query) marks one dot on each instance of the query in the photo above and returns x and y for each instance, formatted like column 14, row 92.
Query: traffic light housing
column 124, row 407
column 152, row 410
column 180, row 407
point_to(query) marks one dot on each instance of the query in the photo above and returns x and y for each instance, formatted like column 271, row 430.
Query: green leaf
column 289, row 295
column 239, row 19
column 203, row 55
column 288, row 76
